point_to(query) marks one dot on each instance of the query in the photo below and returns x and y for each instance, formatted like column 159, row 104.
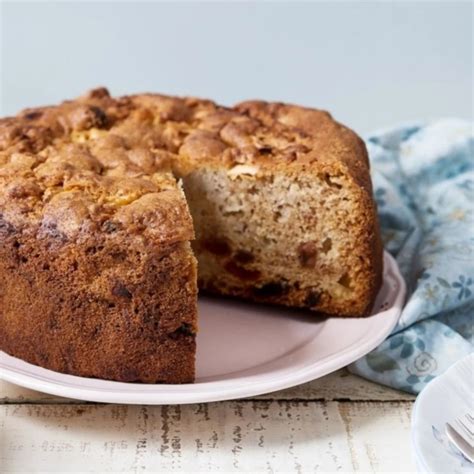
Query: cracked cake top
column 99, row 163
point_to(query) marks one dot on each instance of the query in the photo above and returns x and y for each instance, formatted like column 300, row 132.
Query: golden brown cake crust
column 87, row 186
column 97, row 277
column 113, row 152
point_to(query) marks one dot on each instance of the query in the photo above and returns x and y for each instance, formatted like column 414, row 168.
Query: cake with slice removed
column 102, row 198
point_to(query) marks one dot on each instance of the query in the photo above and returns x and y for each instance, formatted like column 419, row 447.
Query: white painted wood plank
column 11, row 393
column 245, row 436
column 373, row 445
column 340, row 385
column 336, row 386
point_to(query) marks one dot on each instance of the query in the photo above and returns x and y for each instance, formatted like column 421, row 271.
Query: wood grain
column 239, row 436
column 339, row 423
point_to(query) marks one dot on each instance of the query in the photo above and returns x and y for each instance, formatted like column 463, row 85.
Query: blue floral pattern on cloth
column 423, row 179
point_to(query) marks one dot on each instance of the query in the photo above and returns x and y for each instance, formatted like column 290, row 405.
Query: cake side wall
column 102, row 307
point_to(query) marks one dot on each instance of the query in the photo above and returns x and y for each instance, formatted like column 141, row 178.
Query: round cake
column 113, row 211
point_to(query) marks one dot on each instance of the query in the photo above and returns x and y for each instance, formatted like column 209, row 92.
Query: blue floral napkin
column 424, row 186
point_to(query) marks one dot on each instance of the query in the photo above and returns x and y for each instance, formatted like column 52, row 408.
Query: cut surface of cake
column 105, row 205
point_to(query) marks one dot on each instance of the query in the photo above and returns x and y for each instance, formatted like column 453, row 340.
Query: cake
column 114, row 210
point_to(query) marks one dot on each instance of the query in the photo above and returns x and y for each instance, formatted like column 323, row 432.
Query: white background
column 372, row 64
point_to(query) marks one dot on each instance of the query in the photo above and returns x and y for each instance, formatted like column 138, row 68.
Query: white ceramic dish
column 443, row 399
column 243, row 350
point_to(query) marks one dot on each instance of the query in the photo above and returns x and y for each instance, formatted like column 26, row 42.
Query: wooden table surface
column 339, row 423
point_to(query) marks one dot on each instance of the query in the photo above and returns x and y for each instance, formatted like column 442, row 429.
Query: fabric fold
column 423, row 177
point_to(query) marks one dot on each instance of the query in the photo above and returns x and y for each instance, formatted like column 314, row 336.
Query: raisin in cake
column 101, row 200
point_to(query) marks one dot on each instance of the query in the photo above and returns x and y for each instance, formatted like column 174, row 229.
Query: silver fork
column 461, row 434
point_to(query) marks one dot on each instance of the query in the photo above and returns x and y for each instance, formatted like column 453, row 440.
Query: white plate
column 442, row 400
column 243, row 350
